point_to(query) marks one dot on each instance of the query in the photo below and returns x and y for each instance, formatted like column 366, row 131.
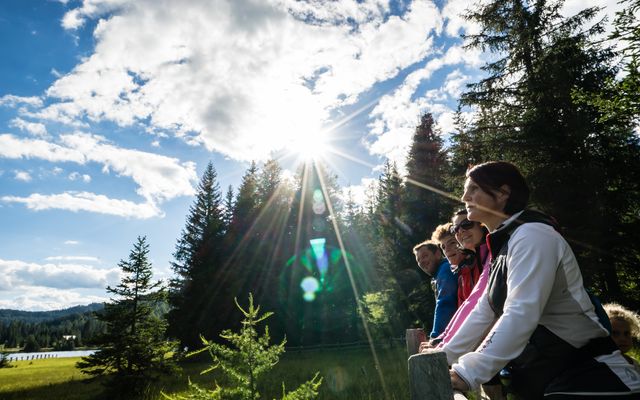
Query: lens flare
column 310, row 286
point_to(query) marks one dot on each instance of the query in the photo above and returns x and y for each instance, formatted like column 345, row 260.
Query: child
column 625, row 326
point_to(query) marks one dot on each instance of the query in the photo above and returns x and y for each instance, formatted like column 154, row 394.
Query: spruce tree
column 134, row 349
column 198, row 260
column 229, row 203
column 425, row 207
column 245, row 363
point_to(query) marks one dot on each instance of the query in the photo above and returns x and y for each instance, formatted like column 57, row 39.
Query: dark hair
column 491, row 175
column 463, row 211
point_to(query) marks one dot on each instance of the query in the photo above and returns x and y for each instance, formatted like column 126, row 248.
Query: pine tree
column 425, row 208
column 246, row 362
column 198, row 258
column 246, row 204
column 229, row 204
column 133, row 349
column 4, row 360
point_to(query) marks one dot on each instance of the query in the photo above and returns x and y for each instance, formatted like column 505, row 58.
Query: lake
column 49, row 354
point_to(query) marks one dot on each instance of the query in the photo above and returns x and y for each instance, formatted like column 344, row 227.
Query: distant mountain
column 7, row 315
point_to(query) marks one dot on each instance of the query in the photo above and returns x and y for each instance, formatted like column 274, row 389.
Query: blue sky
column 111, row 109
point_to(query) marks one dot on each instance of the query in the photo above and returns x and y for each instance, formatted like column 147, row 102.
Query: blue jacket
column 445, row 287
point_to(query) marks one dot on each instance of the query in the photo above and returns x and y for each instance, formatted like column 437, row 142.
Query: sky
column 111, row 109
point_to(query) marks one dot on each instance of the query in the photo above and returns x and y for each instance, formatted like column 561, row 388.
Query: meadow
column 347, row 374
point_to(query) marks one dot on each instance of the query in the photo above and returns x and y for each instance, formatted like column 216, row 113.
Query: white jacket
column 544, row 287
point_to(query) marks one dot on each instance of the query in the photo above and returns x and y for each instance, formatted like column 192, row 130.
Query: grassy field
column 347, row 374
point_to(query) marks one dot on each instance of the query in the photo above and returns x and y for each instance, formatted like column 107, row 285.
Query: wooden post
column 414, row 338
column 429, row 377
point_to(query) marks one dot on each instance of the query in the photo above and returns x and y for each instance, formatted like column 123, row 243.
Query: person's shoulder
column 444, row 269
column 537, row 233
column 535, row 229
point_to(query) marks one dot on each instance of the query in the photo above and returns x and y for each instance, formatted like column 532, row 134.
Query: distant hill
column 7, row 315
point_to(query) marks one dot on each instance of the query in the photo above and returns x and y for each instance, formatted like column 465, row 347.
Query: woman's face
column 482, row 206
column 470, row 237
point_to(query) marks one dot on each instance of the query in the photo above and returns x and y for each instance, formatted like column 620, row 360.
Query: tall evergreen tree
column 427, row 168
column 134, row 347
column 246, row 204
column 577, row 163
column 198, row 257
column 229, row 204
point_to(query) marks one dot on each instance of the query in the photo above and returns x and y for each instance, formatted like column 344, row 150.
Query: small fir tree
column 4, row 358
column 133, row 348
column 245, row 363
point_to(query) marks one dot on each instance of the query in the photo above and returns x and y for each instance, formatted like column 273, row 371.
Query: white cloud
column 454, row 83
column 85, row 201
column 23, row 176
column 34, row 128
column 159, row 177
column 73, row 258
column 339, row 12
column 13, row 147
column 74, row 176
column 397, row 114
column 361, row 193
column 75, row 18
column 71, row 242
column 34, row 298
column 16, row 274
column 10, row 100
column 225, row 73
column 456, row 25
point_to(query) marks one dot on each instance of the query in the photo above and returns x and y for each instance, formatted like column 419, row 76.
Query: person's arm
column 471, row 330
column 446, row 299
column 533, row 259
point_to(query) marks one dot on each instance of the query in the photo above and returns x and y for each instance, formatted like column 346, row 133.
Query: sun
column 310, row 145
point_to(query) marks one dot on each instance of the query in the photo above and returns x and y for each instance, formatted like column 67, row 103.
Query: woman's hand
column 457, row 383
column 425, row 347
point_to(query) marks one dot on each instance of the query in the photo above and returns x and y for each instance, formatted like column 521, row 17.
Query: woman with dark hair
column 471, row 236
column 535, row 315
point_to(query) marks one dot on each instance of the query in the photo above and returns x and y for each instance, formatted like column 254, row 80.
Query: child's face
column 621, row 334
column 451, row 250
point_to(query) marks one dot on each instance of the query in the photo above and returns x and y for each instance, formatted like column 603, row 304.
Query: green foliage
column 31, row 345
column 4, row 359
column 381, row 312
column 133, row 349
column 246, row 362
column 48, row 327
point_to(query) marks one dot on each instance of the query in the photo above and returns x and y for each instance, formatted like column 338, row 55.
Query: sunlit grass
column 54, row 378
column 347, row 374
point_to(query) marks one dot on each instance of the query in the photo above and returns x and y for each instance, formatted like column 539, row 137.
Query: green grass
column 51, row 379
column 347, row 374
